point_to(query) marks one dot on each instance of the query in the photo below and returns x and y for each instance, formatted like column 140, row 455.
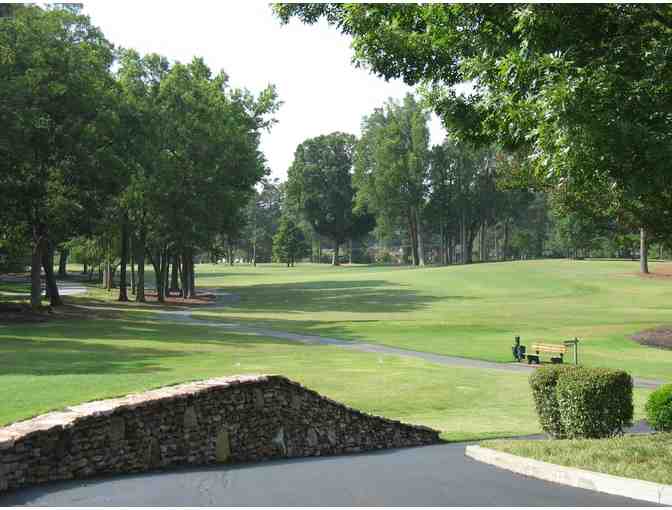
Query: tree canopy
column 320, row 183
column 160, row 156
column 581, row 90
column 391, row 166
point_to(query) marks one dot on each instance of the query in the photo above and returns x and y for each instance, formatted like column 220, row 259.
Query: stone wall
column 236, row 419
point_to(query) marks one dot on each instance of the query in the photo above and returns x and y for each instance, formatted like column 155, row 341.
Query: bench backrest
column 552, row 348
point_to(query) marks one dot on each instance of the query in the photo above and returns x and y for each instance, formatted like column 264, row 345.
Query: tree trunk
column 413, row 237
column 442, row 244
column 166, row 275
column 421, row 244
column 132, row 267
column 140, row 285
column 48, row 264
column 643, row 252
column 451, row 250
column 470, row 235
column 482, row 248
column 158, row 277
column 184, row 276
column 505, row 243
column 174, row 283
column 159, row 263
column 463, row 240
column 192, row 275
column 254, row 253
column 123, row 290
column 107, row 273
column 35, row 272
column 334, row 260
column 350, row 257
column 63, row 262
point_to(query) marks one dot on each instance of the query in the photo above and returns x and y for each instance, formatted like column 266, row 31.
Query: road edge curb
column 574, row 477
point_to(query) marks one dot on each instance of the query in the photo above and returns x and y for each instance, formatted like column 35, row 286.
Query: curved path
column 437, row 475
column 185, row 317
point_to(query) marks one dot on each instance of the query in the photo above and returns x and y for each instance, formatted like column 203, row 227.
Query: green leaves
column 198, row 158
column 320, row 184
column 659, row 409
column 578, row 402
column 578, row 89
column 289, row 242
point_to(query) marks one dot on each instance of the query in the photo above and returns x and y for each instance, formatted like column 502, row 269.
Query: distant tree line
column 576, row 94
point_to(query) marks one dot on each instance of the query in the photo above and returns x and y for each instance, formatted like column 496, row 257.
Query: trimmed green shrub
column 658, row 409
column 543, row 382
column 594, row 402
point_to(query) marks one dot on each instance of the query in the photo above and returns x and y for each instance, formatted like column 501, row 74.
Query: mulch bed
column 200, row 299
column 663, row 271
column 660, row 337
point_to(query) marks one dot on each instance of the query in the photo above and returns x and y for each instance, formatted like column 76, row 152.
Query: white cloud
column 310, row 65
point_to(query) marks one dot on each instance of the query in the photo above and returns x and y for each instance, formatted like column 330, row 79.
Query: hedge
column 658, row 409
column 543, row 382
column 594, row 402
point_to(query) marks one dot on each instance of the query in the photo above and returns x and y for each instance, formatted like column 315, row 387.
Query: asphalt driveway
column 437, row 475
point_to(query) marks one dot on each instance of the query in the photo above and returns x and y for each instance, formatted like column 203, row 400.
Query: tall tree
column 288, row 242
column 391, row 168
column 196, row 166
column 55, row 113
column 320, row 183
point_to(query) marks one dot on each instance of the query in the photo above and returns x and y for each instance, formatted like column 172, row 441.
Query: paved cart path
column 185, row 317
column 224, row 298
column 430, row 475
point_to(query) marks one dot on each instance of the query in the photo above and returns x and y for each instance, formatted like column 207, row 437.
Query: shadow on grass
column 370, row 296
column 110, row 346
column 61, row 357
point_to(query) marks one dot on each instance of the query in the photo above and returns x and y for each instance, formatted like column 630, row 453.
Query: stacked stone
column 239, row 419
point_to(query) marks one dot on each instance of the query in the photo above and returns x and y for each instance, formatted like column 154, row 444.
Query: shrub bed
column 543, row 382
column 577, row 402
column 595, row 402
column 658, row 409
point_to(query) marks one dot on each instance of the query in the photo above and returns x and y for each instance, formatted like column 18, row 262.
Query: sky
column 311, row 66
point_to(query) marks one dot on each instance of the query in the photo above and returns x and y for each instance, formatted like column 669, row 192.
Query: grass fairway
column 471, row 311
column 52, row 365
column 467, row 311
column 644, row 457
